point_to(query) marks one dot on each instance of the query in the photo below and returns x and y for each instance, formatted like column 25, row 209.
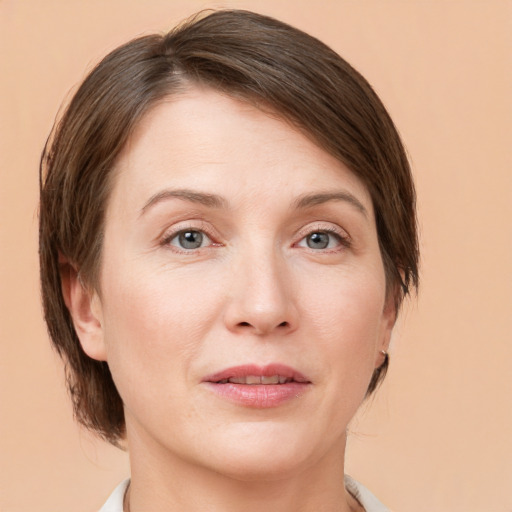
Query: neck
column 163, row 481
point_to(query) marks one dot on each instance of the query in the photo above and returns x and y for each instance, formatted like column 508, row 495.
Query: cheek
column 346, row 304
column 345, row 316
column 154, row 325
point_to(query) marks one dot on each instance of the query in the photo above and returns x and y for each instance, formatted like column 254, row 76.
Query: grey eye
column 318, row 240
column 189, row 239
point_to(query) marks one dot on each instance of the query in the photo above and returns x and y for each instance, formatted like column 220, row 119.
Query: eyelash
column 342, row 238
column 169, row 237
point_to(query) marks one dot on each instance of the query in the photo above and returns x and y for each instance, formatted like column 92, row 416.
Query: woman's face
column 243, row 296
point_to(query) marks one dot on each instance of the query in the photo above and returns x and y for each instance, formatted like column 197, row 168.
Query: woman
column 227, row 230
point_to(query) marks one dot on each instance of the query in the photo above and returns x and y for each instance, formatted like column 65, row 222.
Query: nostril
column 247, row 324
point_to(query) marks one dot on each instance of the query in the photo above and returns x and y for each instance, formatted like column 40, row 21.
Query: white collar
column 369, row 502
column 115, row 501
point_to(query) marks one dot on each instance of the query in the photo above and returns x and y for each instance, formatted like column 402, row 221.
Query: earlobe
column 389, row 315
column 84, row 306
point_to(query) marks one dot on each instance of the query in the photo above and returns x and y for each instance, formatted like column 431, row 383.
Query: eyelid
column 190, row 225
column 344, row 238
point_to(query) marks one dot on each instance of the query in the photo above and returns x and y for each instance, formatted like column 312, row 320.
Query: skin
column 165, row 316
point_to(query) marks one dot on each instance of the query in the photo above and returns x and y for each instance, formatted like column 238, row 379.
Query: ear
column 388, row 320
column 84, row 305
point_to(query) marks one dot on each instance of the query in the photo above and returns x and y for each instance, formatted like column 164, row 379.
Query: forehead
column 207, row 139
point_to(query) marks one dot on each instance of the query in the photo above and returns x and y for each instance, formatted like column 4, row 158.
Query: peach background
column 438, row 435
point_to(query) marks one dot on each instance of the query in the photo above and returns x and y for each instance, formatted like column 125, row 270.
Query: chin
column 260, row 468
column 259, row 453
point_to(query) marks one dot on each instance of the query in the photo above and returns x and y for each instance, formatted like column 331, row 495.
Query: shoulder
column 369, row 502
column 115, row 501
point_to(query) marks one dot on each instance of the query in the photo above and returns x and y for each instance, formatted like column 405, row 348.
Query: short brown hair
column 245, row 55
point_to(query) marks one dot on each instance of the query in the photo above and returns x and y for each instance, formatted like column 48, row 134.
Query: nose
column 262, row 300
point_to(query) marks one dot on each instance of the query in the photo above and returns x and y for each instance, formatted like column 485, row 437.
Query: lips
column 258, row 387
column 252, row 380
column 254, row 374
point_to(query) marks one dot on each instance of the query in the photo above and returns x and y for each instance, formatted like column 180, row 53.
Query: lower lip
column 259, row 396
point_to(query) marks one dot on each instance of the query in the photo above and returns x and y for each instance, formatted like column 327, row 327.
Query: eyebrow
column 210, row 200
column 310, row 200
column 216, row 201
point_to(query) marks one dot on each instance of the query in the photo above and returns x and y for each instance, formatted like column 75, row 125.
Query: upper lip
column 255, row 370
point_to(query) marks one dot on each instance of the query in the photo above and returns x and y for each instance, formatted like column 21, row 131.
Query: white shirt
column 369, row 502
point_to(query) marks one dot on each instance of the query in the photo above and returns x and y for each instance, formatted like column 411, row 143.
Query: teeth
column 252, row 379
column 270, row 380
column 256, row 379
